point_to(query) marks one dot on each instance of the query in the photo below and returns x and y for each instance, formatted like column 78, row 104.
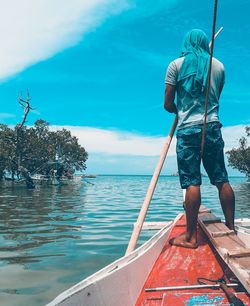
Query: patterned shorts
column 189, row 157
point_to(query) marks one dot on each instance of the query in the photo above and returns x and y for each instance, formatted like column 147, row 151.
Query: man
column 187, row 76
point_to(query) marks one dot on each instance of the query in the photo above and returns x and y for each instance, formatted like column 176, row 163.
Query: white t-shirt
column 191, row 110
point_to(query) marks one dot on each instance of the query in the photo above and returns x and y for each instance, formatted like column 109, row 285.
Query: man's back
column 191, row 110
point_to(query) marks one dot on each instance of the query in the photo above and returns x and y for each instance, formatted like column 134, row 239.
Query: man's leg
column 188, row 159
column 192, row 204
column 214, row 163
column 227, row 201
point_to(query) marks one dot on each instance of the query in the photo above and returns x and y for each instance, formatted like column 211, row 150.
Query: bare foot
column 182, row 241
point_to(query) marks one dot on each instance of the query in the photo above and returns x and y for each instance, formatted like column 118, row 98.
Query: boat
column 46, row 180
column 89, row 176
column 54, row 180
column 160, row 274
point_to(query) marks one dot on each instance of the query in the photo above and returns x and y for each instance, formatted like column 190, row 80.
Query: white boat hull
column 123, row 280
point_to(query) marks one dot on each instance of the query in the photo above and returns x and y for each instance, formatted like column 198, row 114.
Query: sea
column 52, row 237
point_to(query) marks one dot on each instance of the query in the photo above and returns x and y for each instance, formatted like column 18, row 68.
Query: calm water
column 52, row 237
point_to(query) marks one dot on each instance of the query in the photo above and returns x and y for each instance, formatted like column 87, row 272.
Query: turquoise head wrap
column 194, row 70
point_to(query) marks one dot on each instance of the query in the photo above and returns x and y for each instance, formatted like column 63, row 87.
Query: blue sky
column 98, row 67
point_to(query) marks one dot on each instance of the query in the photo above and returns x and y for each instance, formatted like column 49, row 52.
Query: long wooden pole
column 217, row 33
column 151, row 188
column 209, row 78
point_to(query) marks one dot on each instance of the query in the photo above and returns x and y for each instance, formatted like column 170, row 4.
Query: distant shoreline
column 162, row 175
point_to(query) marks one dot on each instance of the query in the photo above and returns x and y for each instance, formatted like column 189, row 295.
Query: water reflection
column 33, row 218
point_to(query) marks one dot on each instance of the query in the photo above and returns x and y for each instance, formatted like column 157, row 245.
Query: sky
column 97, row 67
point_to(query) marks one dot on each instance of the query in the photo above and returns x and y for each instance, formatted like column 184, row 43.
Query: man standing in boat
column 187, row 76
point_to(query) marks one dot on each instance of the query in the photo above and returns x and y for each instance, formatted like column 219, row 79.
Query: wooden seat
column 222, row 233
column 239, row 253
column 231, row 249
column 208, row 217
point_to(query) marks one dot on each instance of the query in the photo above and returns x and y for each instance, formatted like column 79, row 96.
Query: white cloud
column 4, row 116
column 118, row 142
column 119, row 152
column 128, row 164
column 126, row 143
column 31, row 31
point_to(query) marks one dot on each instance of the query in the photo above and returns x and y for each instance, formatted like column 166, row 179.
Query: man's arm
column 169, row 104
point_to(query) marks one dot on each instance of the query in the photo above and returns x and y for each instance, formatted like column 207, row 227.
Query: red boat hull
column 177, row 266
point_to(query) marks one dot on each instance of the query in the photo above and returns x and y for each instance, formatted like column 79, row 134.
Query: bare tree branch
column 26, row 106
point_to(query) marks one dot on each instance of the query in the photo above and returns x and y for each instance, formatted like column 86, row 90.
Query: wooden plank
column 222, row 233
column 208, row 217
column 231, row 249
column 241, row 253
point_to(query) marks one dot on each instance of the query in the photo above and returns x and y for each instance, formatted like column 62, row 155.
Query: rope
column 232, row 298
column 206, row 281
column 209, row 78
